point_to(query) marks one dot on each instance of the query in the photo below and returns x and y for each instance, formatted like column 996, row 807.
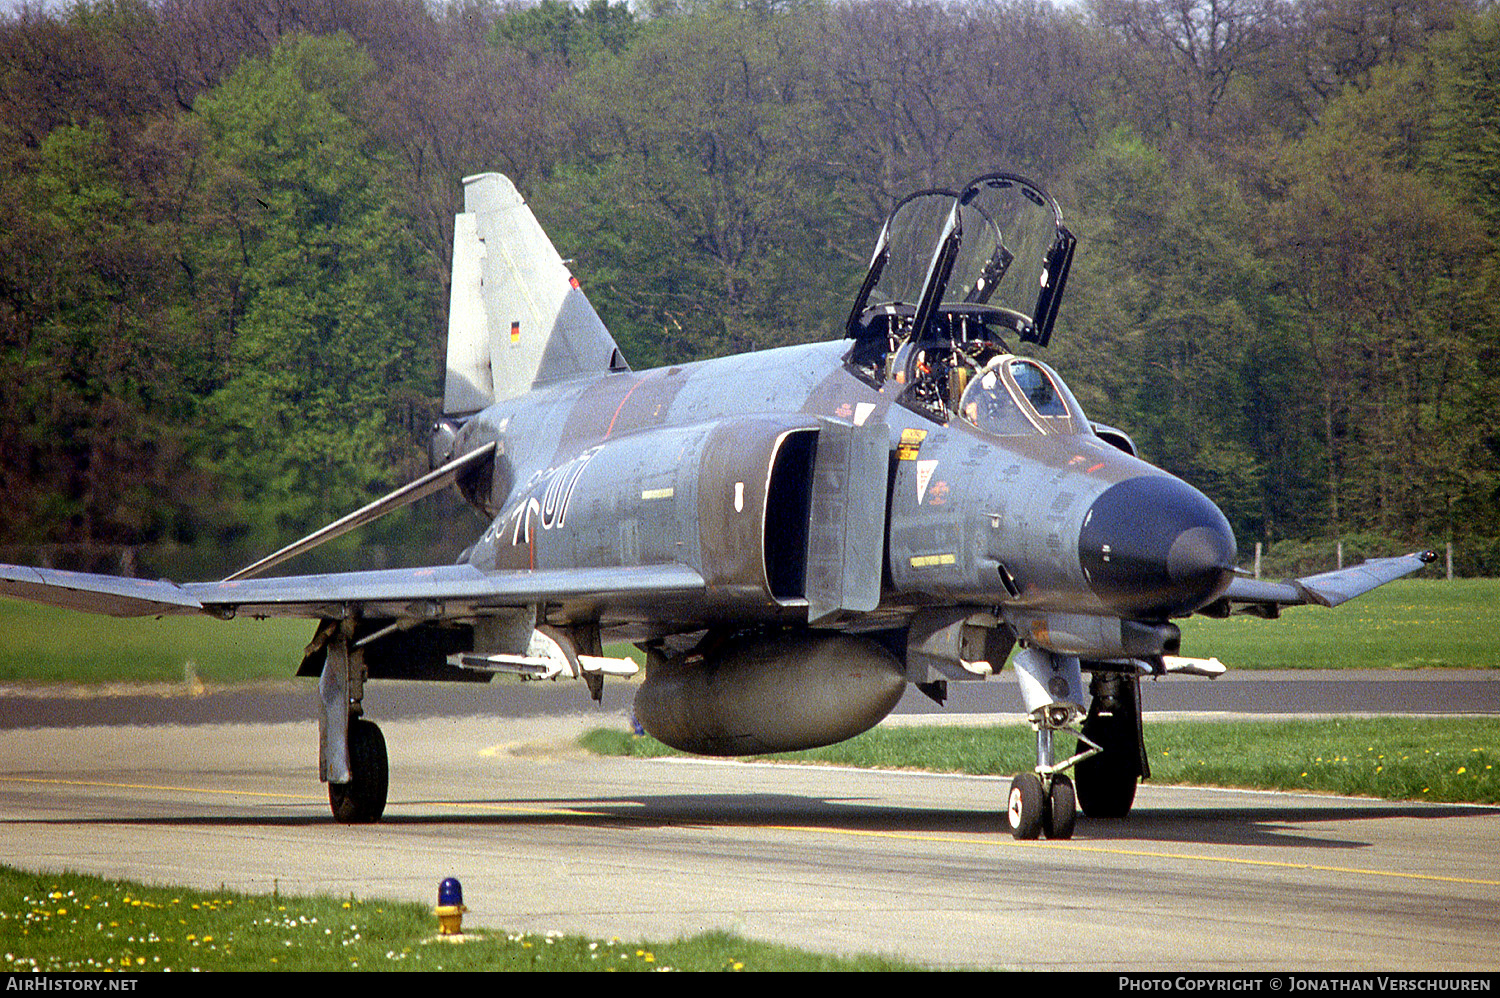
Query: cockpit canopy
column 952, row 273
column 1012, row 396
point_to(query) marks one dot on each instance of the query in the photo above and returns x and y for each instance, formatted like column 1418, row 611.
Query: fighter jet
column 792, row 536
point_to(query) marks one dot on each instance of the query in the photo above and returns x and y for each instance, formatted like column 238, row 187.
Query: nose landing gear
column 1044, row 801
column 1040, row 806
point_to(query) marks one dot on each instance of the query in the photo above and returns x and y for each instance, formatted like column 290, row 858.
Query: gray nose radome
column 1154, row 546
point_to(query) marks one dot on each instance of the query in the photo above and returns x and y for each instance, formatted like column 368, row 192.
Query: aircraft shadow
column 1248, row 827
column 1261, row 825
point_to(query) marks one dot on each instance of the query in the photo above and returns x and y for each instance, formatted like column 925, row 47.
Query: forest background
column 226, row 227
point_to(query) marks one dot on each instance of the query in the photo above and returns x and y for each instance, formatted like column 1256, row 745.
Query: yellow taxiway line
column 1068, row 846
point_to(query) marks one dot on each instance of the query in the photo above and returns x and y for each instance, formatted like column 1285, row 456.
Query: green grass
column 82, row 924
column 1408, row 624
column 1397, row 758
column 1434, row 759
column 44, row 644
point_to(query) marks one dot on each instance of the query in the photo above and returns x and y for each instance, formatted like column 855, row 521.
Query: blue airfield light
column 450, row 907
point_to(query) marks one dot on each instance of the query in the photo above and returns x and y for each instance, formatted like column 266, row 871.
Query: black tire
column 1024, row 806
column 1106, row 782
column 1062, row 809
column 362, row 800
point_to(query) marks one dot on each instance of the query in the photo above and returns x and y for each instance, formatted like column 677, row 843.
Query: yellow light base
column 451, row 919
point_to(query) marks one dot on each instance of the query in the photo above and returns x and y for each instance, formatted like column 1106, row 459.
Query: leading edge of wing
column 1327, row 588
column 385, row 592
column 448, row 589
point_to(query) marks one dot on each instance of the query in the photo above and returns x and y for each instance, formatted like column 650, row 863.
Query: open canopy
column 953, row 273
column 994, row 255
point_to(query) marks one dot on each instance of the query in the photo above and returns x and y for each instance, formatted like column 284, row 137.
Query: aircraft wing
column 1325, row 589
column 96, row 593
column 449, row 590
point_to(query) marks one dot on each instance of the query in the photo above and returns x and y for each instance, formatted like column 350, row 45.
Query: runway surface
column 545, row 837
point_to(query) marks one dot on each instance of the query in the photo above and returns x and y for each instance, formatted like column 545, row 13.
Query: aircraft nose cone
column 1155, row 546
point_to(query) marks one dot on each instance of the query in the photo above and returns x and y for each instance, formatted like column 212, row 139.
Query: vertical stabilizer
column 517, row 318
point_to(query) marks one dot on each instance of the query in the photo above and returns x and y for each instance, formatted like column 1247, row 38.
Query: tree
column 1382, row 266
column 1343, row 42
column 1186, row 57
column 1165, row 298
column 90, row 368
column 329, row 339
column 702, row 202
column 899, row 97
column 557, row 29
column 1463, row 153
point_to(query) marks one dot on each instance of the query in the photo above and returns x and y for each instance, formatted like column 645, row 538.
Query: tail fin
column 517, row 319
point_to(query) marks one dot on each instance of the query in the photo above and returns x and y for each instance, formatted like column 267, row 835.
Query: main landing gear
column 351, row 750
column 1107, row 781
column 362, row 800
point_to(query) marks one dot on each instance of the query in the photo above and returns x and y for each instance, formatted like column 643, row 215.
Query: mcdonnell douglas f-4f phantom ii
column 792, row 536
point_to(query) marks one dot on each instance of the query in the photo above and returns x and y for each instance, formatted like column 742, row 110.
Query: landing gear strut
column 1044, row 801
column 351, row 756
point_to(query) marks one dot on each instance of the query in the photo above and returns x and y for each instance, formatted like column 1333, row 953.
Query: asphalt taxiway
column 545, row 837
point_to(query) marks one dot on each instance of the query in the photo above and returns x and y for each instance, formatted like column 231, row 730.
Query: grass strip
column 1432, row 759
column 47, row 645
column 1408, row 624
column 74, row 923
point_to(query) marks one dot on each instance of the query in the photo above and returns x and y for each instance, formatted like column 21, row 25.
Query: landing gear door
column 846, row 522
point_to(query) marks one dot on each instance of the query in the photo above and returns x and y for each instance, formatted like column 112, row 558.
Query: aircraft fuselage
column 690, row 464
